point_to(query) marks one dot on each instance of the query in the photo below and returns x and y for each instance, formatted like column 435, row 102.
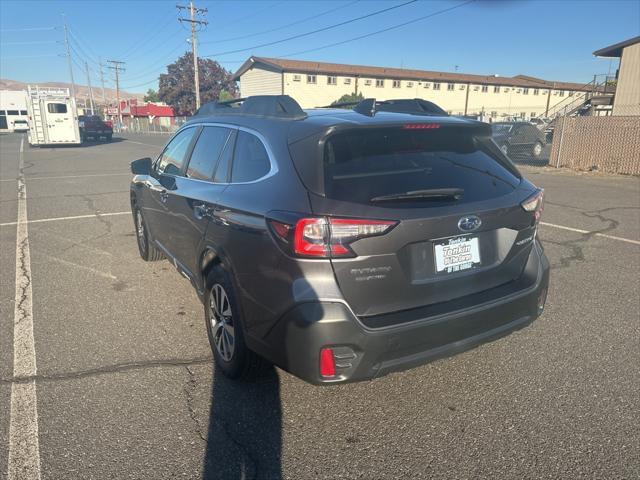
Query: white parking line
column 597, row 234
column 142, row 143
column 76, row 217
column 24, row 449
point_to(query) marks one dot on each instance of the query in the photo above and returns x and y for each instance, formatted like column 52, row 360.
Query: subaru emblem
column 469, row 224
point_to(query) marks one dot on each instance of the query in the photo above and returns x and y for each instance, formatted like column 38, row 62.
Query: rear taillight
column 535, row 204
column 320, row 237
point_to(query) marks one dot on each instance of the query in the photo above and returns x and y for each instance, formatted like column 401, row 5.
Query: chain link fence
column 158, row 125
column 608, row 144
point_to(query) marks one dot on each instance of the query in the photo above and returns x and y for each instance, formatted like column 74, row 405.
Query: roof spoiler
column 277, row 106
column 370, row 106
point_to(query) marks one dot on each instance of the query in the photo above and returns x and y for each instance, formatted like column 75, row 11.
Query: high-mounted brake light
column 321, row 237
column 535, row 204
column 420, row 126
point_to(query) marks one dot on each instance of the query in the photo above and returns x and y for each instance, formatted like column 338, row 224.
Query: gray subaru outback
column 343, row 244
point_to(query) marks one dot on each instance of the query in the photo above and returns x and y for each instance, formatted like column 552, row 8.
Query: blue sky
column 544, row 38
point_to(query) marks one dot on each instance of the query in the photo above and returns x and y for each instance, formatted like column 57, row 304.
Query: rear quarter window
column 359, row 165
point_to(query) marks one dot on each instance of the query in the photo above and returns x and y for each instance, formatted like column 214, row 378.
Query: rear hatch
column 454, row 200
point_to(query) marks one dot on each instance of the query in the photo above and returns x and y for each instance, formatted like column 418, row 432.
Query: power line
column 393, row 27
column 283, row 27
column 130, row 52
column 31, row 29
column 306, row 34
column 39, row 42
column 78, row 43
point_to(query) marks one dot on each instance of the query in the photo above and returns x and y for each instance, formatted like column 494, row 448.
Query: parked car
column 341, row 245
column 519, row 138
column 92, row 126
column 20, row 126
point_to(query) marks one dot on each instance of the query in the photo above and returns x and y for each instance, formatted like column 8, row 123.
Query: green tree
column 177, row 86
column 224, row 96
column 151, row 96
column 352, row 97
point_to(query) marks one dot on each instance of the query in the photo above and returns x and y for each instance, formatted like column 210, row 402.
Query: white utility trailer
column 53, row 118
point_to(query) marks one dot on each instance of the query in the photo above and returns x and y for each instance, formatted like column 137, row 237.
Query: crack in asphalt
column 189, row 389
column 576, row 251
column 117, row 368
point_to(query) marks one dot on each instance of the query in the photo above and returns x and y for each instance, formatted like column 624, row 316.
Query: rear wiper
column 436, row 193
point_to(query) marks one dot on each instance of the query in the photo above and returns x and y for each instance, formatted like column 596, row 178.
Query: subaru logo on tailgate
column 469, row 224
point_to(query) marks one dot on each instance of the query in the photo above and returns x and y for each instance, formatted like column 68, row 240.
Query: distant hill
column 82, row 91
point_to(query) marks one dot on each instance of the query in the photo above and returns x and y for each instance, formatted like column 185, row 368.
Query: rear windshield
column 360, row 165
column 501, row 128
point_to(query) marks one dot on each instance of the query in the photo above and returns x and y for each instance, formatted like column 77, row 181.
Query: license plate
column 457, row 254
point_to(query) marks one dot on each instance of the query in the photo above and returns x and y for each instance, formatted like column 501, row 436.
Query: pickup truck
column 92, row 126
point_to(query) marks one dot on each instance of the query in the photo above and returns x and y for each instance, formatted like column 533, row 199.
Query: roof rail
column 277, row 106
column 415, row 106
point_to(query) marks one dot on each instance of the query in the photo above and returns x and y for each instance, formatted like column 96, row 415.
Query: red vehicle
column 92, row 126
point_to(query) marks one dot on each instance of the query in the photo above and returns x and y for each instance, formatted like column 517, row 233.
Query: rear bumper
column 363, row 353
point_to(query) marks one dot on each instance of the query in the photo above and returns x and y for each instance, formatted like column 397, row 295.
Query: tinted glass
column 23, row 112
column 173, row 157
column 251, row 160
column 222, row 171
column 12, row 112
column 361, row 165
column 206, row 152
column 57, row 108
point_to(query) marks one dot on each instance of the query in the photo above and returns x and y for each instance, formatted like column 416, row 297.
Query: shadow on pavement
column 245, row 428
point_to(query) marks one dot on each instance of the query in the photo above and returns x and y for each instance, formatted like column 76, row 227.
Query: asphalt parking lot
column 125, row 388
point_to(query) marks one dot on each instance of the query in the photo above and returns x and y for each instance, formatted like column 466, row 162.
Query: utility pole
column 116, row 65
column 194, row 41
column 66, row 42
column 86, row 67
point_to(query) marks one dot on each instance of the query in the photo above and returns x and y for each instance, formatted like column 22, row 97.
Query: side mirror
column 142, row 166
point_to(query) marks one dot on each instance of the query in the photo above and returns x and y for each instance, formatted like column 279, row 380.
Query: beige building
column 315, row 84
column 626, row 100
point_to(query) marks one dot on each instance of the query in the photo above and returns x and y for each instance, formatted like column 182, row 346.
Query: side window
column 55, row 108
column 172, row 159
column 251, row 160
column 222, row 171
column 205, row 154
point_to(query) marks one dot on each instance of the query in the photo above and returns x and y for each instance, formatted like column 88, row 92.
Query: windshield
column 363, row 164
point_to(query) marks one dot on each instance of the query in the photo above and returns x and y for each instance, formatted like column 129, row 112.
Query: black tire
column 239, row 361
column 148, row 251
column 536, row 150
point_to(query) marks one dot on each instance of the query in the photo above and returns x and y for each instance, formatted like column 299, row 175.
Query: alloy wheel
column 221, row 322
column 140, row 233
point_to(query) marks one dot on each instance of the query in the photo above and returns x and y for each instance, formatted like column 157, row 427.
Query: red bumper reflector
column 327, row 363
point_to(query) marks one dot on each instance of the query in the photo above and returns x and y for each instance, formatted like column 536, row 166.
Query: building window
column 496, row 89
column 23, row 112
column 347, row 81
column 525, row 91
column 485, row 88
column 523, row 114
column 436, row 86
column 409, row 84
column 367, row 83
column 450, row 86
column 332, row 80
column 379, row 82
column 396, row 84
column 494, row 114
column 14, row 112
column 427, row 85
column 311, row 79
column 533, row 114
column 561, row 93
column 296, row 78
column 571, row 94
column 536, row 91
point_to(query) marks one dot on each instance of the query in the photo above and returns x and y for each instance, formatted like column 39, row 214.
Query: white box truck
column 53, row 118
